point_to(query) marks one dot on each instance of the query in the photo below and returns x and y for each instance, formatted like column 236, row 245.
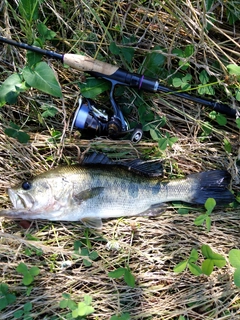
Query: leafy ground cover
column 183, row 264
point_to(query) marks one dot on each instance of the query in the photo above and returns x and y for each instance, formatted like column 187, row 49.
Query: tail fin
column 212, row 184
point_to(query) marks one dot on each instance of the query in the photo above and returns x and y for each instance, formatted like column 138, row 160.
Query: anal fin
column 95, row 223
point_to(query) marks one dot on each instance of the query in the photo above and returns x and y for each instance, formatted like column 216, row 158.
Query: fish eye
column 26, row 185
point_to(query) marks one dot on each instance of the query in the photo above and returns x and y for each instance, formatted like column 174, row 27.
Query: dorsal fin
column 96, row 158
column 149, row 168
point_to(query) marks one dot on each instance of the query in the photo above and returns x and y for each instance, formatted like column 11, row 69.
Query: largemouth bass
column 100, row 188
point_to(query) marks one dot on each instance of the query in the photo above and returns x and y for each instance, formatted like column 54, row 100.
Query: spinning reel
column 88, row 118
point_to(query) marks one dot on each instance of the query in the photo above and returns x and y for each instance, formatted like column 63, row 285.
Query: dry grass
column 151, row 246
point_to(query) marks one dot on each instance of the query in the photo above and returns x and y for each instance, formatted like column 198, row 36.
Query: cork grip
column 88, row 64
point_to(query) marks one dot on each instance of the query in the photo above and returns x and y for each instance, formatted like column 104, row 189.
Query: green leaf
column 209, row 4
column 183, row 210
column 93, row 255
column 193, row 256
column 23, row 137
column 33, row 58
column 195, row 269
column 27, row 307
column 27, row 279
column 238, row 122
column 6, row 298
column 49, row 111
column 18, row 314
column 87, row 300
column 75, row 313
column 217, row 259
column 34, row 271
column 3, row 288
column 180, row 267
column 182, row 82
column 163, row 143
column 189, row 50
column 237, row 93
column 28, row 291
column 114, row 48
column 22, row 268
column 42, row 77
column 93, row 87
column 11, row 132
column 45, row 33
column 236, row 277
column 87, row 263
column 210, row 205
column 203, row 77
column 72, row 304
column 127, row 53
column 155, row 134
column 177, row 82
column 234, row 69
column 208, row 223
column 200, row 219
column 66, row 295
column 208, row 89
column 206, row 251
column 84, row 252
column 172, row 140
column 234, row 258
column 11, row 298
column 3, row 303
column 14, row 132
column 29, row 9
column 63, row 304
column 221, row 119
column 119, row 272
column 10, row 89
column 227, row 145
column 129, row 278
column 207, row 267
column 153, row 62
column 83, row 309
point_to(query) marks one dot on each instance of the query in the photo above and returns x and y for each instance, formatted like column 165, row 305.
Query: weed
column 209, row 205
column 15, row 131
column 28, row 274
column 82, row 250
column 212, row 259
column 24, row 313
column 126, row 273
column 234, row 259
column 189, row 263
column 183, row 56
column 123, row 316
column 6, row 298
column 82, row 309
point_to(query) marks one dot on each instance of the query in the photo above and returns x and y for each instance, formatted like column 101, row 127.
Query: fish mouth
column 20, row 201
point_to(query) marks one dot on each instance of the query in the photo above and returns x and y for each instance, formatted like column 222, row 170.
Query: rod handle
column 88, row 64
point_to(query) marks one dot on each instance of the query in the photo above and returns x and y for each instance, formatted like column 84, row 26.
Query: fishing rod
column 88, row 116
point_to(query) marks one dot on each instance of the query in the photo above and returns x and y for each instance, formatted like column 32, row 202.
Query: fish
column 100, row 188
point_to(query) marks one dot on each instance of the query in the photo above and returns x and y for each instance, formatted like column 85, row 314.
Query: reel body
column 89, row 118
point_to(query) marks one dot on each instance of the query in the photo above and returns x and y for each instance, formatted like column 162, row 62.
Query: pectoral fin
column 87, row 194
column 95, row 223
